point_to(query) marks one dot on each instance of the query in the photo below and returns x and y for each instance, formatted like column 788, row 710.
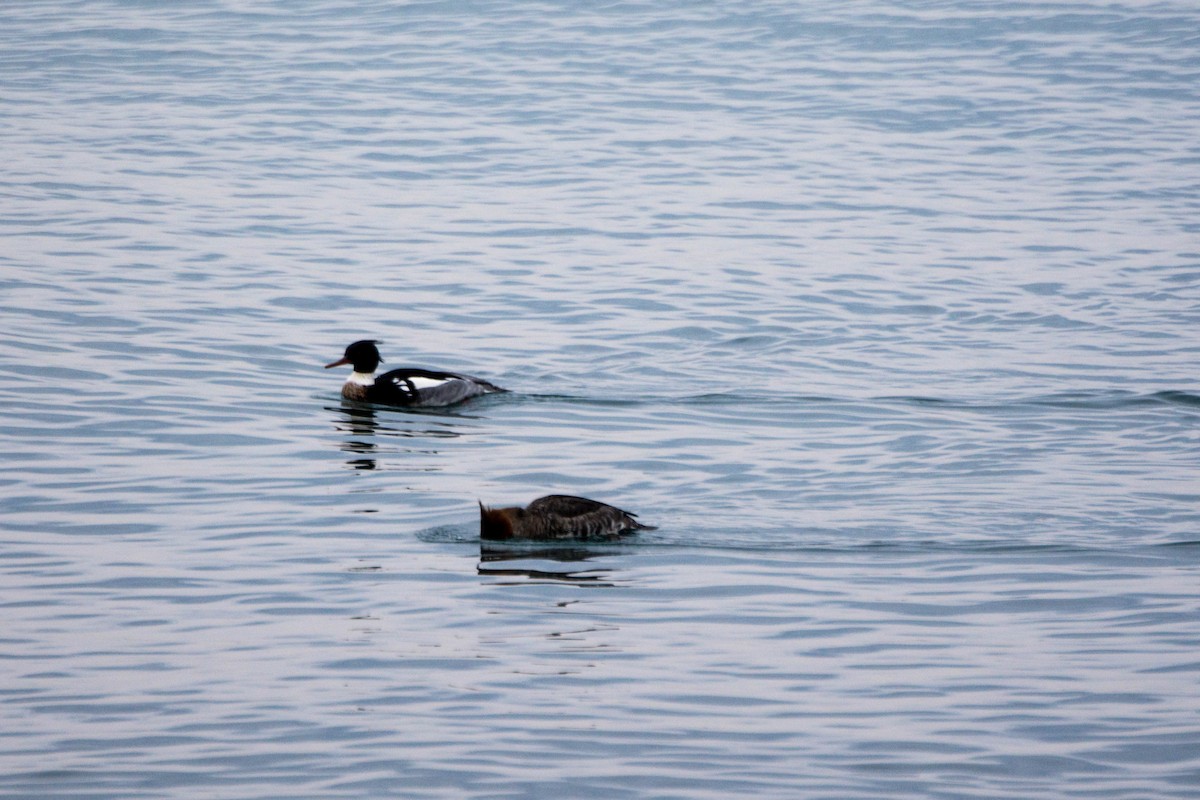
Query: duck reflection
column 358, row 421
column 523, row 564
column 361, row 425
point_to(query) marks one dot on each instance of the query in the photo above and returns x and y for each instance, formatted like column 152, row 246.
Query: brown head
column 497, row 523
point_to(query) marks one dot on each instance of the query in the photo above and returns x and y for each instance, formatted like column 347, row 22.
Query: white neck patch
column 362, row 378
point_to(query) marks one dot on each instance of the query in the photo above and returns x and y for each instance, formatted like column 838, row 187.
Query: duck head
column 363, row 354
column 497, row 523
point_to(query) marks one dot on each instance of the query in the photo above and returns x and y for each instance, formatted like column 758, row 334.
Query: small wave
column 1178, row 397
column 464, row 533
column 1186, row 544
column 1100, row 400
column 790, row 541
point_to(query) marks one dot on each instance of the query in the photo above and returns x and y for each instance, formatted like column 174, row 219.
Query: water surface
column 884, row 314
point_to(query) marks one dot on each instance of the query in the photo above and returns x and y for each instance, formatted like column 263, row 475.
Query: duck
column 407, row 386
column 558, row 516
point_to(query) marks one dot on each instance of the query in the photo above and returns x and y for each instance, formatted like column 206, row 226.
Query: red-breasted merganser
column 557, row 516
column 408, row 386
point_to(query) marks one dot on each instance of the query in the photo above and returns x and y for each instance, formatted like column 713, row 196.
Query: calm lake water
column 886, row 314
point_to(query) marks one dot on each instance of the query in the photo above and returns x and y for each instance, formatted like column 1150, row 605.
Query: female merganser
column 558, row 516
column 407, row 386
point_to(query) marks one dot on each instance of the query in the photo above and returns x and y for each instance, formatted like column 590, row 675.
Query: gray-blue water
column 885, row 313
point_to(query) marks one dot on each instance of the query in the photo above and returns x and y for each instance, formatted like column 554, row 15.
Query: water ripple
column 883, row 314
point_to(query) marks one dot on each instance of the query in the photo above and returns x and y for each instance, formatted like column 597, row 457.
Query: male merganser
column 557, row 516
column 408, row 386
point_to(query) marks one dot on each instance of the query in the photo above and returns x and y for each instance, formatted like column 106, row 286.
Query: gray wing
column 426, row 387
column 452, row 391
column 581, row 509
column 564, row 505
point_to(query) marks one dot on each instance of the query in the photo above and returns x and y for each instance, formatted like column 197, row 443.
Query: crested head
column 363, row 354
column 495, row 523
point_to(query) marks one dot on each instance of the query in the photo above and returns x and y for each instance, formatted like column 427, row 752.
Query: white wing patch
column 420, row 383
